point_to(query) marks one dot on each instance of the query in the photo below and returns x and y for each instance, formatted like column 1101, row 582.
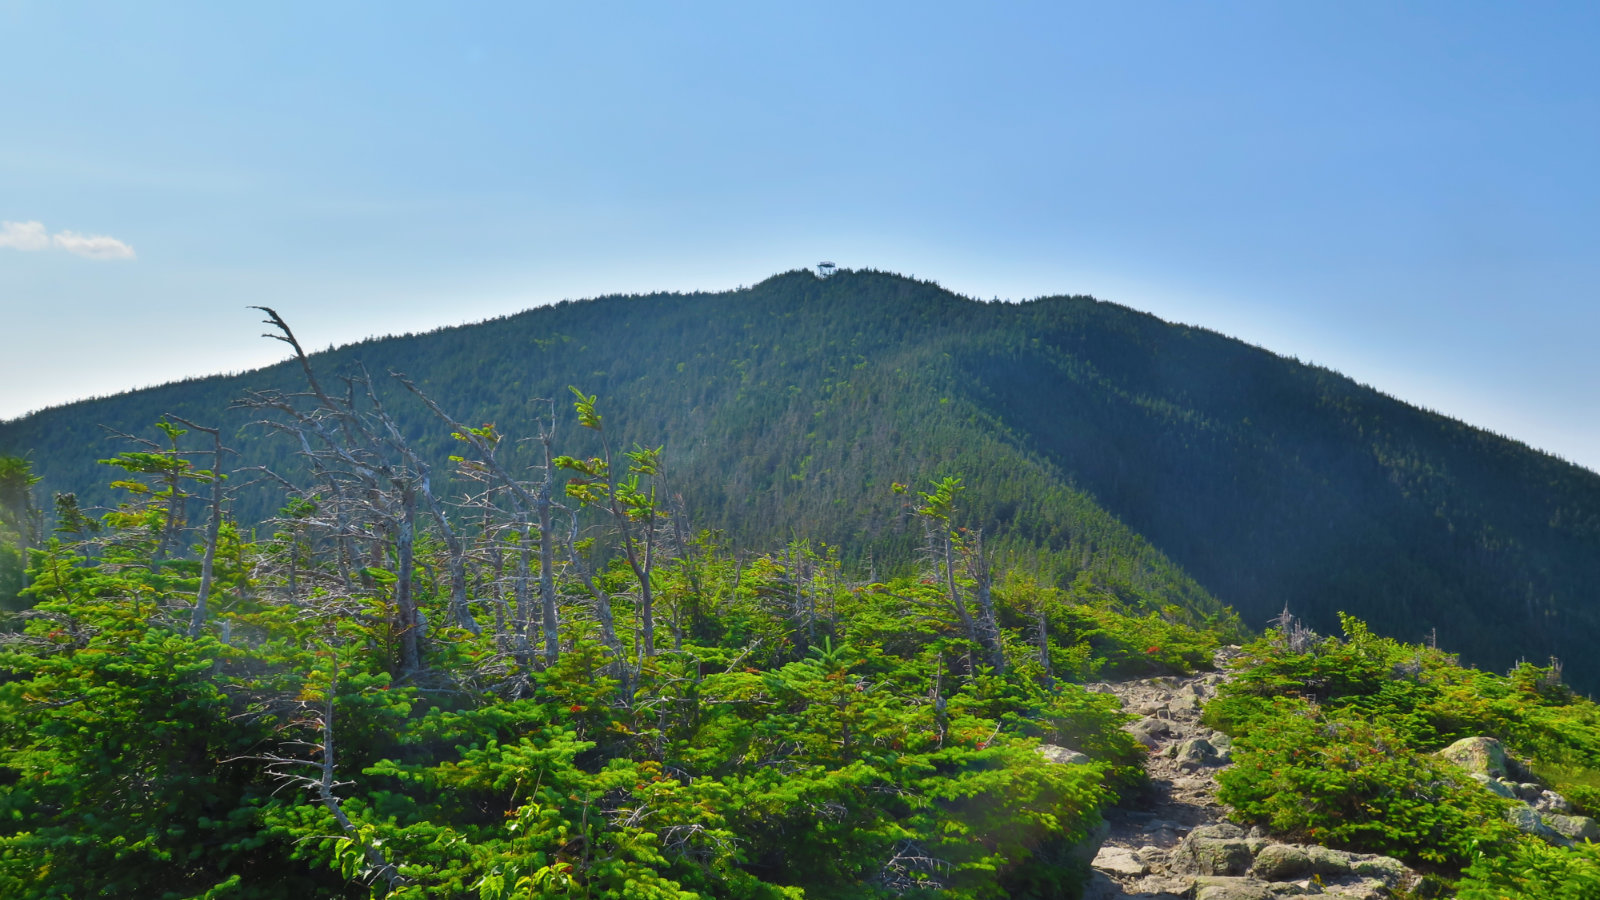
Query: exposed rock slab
column 1478, row 755
column 1120, row 861
column 1061, row 755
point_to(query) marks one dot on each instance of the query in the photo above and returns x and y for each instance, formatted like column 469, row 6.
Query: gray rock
column 1528, row 822
column 1085, row 850
column 1187, row 703
column 1061, row 755
column 1529, row 792
column 1195, row 754
column 1386, row 869
column 1482, row 755
column 1163, row 832
column 1282, row 862
column 1576, row 828
column 1495, row 786
column 1101, row 887
column 1119, row 861
column 1150, row 731
column 1366, row 889
column 1212, row 850
column 1326, row 862
column 1552, row 802
column 1215, row 888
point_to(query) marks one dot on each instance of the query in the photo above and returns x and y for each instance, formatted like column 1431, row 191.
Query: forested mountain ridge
column 1091, row 437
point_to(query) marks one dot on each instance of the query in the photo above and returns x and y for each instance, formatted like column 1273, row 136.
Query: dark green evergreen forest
column 1171, row 466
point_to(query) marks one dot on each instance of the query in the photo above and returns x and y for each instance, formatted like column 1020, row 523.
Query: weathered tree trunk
column 405, row 603
column 547, row 565
column 988, row 626
column 460, row 610
column 197, row 617
column 1041, row 637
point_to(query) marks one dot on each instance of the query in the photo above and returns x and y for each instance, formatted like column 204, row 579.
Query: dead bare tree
column 197, row 618
column 1293, row 635
column 322, row 782
column 368, row 469
column 980, row 570
column 533, row 505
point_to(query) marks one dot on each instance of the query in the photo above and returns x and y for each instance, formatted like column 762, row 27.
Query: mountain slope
column 1091, row 436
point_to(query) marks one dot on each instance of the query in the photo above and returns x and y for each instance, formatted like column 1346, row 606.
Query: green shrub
column 1350, row 783
column 1533, row 870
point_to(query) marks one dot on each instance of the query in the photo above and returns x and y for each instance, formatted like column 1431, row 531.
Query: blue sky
column 1407, row 193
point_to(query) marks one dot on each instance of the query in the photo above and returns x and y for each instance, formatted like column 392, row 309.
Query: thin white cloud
column 24, row 236
column 93, row 246
column 32, row 236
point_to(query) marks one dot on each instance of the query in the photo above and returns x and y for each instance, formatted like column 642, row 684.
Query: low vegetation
column 1336, row 741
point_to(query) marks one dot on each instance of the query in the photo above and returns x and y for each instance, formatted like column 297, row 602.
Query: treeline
column 1175, row 465
column 548, row 685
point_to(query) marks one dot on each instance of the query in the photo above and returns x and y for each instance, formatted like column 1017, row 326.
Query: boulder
column 1495, row 786
column 1528, row 822
column 1119, row 861
column 1061, row 755
column 1282, row 862
column 1083, row 852
column 1212, row 850
column 1528, row 792
column 1386, row 869
column 1150, row 731
column 1195, row 754
column 1479, row 755
column 1573, row 828
column 1552, row 802
column 1326, row 862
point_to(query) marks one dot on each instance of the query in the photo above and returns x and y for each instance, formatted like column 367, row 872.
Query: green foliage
column 1336, row 742
column 787, row 747
column 1533, row 870
column 122, row 745
column 1354, row 783
column 19, row 527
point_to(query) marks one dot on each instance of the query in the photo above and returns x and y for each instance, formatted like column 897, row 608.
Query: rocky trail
column 1176, row 844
